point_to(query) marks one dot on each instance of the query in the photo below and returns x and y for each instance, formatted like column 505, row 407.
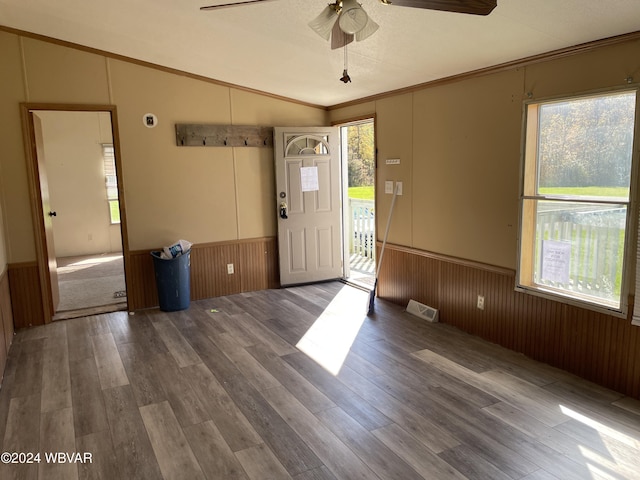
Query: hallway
column 90, row 285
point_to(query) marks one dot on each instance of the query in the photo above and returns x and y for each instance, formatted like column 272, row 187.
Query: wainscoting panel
column 141, row 286
column 26, row 300
column 209, row 277
column 599, row 347
column 6, row 321
column 417, row 279
column 6, row 313
column 259, row 264
column 255, row 268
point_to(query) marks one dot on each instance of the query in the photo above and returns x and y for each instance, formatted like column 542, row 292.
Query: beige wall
column 199, row 194
column 19, row 238
column 10, row 83
column 3, row 250
column 459, row 145
column 75, row 172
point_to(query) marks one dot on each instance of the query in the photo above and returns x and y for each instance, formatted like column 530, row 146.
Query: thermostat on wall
column 149, row 120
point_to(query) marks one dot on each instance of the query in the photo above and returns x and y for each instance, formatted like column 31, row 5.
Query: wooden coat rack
column 203, row 135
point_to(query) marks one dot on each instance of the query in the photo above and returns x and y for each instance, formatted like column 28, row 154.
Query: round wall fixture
column 149, row 120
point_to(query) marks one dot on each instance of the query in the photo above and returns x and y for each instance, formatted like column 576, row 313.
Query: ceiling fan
column 343, row 20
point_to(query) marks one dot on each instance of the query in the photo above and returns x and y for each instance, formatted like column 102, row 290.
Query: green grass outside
column 362, row 193
column 114, row 211
column 611, row 192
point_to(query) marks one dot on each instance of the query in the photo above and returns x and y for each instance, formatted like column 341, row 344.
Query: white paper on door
column 309, row 179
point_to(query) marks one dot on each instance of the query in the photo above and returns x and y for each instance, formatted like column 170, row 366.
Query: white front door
column 307, row 165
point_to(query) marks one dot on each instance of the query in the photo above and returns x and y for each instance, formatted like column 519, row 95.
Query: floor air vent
column 423, row 311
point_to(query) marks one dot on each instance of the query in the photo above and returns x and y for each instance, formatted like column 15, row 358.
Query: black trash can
column 173, row 280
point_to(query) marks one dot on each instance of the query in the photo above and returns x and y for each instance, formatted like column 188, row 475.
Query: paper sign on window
column 309, row 179
column 555, row 261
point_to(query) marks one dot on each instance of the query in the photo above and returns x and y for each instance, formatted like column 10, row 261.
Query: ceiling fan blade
column 323, row 24
column 473, row 7
column 236, row 4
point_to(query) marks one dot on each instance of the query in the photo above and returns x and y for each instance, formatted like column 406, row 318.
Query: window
column 575, row 204
column 307, row 145
column 111, row 182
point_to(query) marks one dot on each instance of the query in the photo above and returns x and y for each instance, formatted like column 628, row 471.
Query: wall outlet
column 399, row 187
column 480, row 302
column 230, row 268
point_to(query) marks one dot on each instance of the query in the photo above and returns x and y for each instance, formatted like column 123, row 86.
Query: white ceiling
column 269, row 47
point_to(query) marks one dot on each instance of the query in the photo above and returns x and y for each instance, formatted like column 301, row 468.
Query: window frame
column 111, row 157
column 526, row 208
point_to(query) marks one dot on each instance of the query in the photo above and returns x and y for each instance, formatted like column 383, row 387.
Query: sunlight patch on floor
column 601, row 466
column 86, row 263
column 600, row 428
column 330, row 337
column 94, row 260
column 616, row 448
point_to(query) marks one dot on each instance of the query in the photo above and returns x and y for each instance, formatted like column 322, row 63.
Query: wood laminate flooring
column 232, row 389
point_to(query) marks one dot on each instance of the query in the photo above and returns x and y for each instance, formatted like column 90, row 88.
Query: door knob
column 52, row 214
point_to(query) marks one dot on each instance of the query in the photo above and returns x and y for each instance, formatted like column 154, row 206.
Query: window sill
column 574, row 301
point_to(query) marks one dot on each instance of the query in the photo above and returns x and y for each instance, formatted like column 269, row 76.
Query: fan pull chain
column 345, row 75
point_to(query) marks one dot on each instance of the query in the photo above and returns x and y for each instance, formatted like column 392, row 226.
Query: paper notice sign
column 309, row 179
column 555, row 261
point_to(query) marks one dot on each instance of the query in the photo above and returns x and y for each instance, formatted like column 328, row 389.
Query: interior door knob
column 52, row 214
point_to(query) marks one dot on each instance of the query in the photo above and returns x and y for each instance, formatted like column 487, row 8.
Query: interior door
column 307, row 165
column 48, row 213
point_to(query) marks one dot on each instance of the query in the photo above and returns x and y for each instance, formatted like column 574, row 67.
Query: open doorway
column 76, row 153
column 358, row 165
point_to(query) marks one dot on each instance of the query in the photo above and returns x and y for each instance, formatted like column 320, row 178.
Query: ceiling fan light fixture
column 323, row 23
column 369, row 29
column 353, row 18
column 339, row 38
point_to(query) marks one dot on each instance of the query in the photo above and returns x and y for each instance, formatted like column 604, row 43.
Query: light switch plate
column 388, row 186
